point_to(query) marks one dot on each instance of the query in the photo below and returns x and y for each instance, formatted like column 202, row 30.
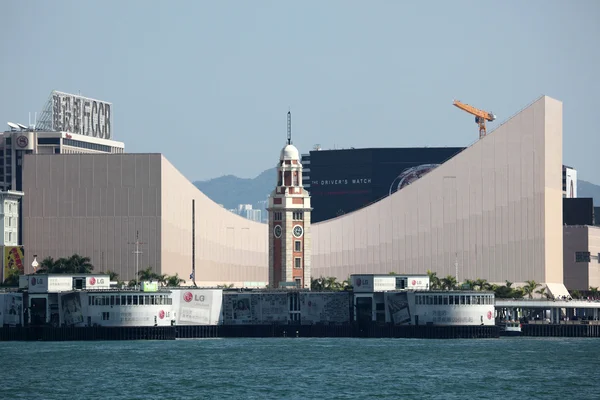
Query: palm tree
column 482, row 284
column 434, row 281
column 542, row 292
column 449, row 282
column 79, row 265
column 46, row 266
column 147, row 275
column 113, row 276
column 594, row 292
column 530, row 287
column 174, row 280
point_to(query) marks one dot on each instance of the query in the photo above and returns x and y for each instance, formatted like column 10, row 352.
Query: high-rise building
column 569, row 182
column 12, row 252
column 344, row 180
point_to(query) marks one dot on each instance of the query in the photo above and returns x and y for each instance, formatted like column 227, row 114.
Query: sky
column 209, row 83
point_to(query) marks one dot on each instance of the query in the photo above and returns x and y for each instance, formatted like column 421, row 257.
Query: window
column 297, row 245
column 105, row 316
column 48, row 140
column 297, row 215
column 582, row 256
column 277, row 216
column 297, row 262
column 298, row 283
column 10, row 236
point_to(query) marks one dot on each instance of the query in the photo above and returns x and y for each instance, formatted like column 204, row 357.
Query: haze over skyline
column 209, row 84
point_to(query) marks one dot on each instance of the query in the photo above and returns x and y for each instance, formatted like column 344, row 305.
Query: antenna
column 289, row 135
column 137, row 253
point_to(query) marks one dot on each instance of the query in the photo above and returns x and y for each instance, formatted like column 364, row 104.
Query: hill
column 587, row 189
column 230, row 190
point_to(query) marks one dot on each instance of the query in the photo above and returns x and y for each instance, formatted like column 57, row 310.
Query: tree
column 75, row 264
column 542, row 292
column 594, row 292
column 530, row 287
column 449, row 282
column 79, row 265
column 576, row 294
column 482, row 284
column 174, row 280
column 434, row 281
column 113, row 276
column 147, row 275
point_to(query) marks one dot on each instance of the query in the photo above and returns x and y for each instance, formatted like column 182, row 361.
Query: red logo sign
column 92, row 281
column 161, row 314
column 358, row 282
column 489, row 315
column 414, row 282
column 188, row 296
column 22, row 141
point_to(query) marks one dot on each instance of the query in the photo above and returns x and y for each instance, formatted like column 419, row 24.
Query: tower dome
column 289, row 152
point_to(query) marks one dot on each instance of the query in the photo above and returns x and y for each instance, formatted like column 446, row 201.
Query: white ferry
column 511, row 328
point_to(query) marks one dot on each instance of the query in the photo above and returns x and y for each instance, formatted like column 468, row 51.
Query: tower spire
column 289, row 132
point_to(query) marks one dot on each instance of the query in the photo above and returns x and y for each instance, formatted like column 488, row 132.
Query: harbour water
column 297, row 368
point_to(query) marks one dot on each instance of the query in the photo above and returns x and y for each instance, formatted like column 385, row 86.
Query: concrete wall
column 93, row 205
column 229, row 248
column 581, row 275
column 495, row 208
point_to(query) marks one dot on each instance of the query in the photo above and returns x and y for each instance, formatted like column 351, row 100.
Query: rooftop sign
column 76, row 114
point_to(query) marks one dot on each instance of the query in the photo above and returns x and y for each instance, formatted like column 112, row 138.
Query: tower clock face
column 277, row 231
column 298, row 231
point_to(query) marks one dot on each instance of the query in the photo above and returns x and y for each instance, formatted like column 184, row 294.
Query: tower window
column 298, row 215
column 297, row 245
column 297, row 262
column 277, row 216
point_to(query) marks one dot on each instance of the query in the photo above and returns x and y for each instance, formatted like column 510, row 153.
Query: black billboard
column 578, row 211
column 342, row 181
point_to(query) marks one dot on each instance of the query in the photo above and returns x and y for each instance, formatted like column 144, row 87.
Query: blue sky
column 209, row 83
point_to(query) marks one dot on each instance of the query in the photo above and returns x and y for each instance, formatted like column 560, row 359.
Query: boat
column 511, row 328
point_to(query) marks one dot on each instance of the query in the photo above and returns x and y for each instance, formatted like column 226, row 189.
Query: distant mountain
column 587, row 189
column 230, row 190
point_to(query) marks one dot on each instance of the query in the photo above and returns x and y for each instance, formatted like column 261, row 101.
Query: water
column 507, row 368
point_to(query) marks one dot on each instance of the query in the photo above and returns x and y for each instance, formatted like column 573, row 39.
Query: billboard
column 198, row 306
column 71, row 312
column 326, row 307
column 342, row 181
column 76, row 114
column 570, row 183
column 13, row 259
column 398, row 308
column 11, row 309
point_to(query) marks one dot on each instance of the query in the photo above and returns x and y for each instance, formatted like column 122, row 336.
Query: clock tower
column 289, row 222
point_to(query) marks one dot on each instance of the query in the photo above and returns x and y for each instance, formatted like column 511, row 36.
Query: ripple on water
column 302, row 368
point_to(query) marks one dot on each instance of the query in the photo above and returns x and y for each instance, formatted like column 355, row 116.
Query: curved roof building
column 493, row 212
column 95, row 205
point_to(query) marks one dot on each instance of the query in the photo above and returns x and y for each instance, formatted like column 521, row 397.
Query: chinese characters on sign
column 81, row 115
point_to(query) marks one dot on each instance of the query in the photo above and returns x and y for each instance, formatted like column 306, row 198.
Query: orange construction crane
column 480, row 116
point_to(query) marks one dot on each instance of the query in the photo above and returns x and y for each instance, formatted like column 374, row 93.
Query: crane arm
column 475, row 111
